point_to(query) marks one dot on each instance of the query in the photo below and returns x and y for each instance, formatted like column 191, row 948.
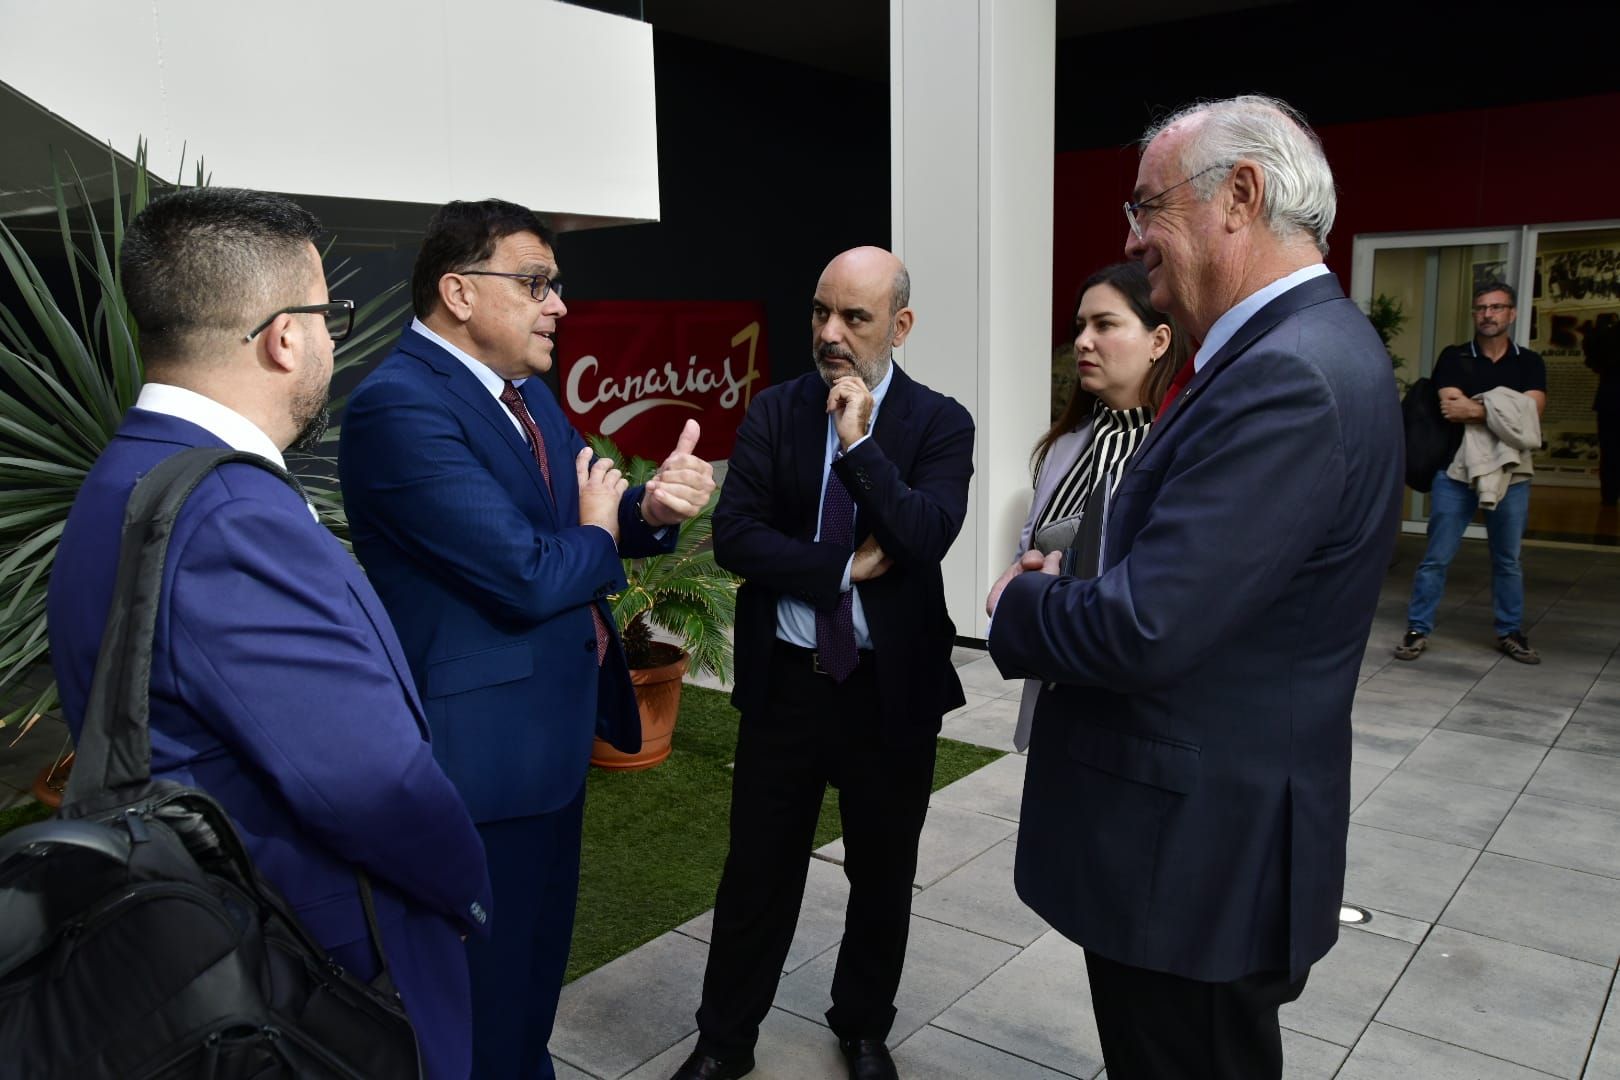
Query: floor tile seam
column 598, row 1076
column 1470, row 1049
column 993, row 1046
column 1384, row 998
column 1416, row 836
column 1324, row 1038
column 1558, row 866
column 1495, row 832
column 1591, row 1046
column 1521, row 945
column 971, row 810
column 1572, row 802
column 1020, row 946
column 1520, row 790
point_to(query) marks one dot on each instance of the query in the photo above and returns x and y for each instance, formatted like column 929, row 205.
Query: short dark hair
column 1497, row 286
column 212, row 261
column 464, row 234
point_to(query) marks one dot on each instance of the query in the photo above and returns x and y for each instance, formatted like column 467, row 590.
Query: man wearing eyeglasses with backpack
column 1468, row 378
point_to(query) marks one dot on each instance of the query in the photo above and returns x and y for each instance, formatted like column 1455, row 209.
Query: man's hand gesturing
column 600, row 487
column 682, row 486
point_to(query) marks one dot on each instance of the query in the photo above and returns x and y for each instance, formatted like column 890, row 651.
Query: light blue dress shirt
column 1233, row 320
column 795, row 619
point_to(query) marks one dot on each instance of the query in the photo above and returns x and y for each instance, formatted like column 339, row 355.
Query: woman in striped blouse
column 1126, row 354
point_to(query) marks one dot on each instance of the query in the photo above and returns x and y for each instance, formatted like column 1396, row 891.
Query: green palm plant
column 685, row 592
column 70, row 367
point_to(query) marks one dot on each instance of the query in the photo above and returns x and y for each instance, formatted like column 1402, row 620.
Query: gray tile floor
column 1485, row 839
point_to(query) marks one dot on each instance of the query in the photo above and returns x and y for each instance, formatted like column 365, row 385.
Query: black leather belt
column 798, row 654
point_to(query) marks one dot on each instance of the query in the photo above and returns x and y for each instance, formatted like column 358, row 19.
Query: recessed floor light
column 1354, row 916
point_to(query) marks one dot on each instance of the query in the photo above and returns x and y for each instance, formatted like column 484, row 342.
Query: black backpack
column 137, row 940
column 1428, row 435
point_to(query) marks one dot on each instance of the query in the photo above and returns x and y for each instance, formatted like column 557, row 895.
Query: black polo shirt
column 1472, row 372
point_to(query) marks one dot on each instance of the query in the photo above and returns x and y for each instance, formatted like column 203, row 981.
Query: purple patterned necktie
column 835, row 629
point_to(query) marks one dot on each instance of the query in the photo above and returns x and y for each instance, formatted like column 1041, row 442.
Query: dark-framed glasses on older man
column 339, row 318
column 539, row 285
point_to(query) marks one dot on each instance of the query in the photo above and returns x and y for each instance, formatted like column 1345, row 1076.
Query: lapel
column 464, row 386
column 809, row 449
column 1317, row 290
column 159, row 427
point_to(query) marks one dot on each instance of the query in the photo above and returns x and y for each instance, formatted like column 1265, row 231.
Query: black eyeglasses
column 540, row 286
column 1133, row 208
column 339, row 318
column 1491, row 309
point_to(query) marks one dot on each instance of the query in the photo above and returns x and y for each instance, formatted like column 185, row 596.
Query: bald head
column 872, row 265
column 860, row 314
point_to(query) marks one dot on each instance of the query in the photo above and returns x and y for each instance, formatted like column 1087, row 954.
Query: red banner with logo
column 637, row 370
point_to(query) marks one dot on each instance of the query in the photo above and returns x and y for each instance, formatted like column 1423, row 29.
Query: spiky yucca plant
column 70, row 367
column 684, row 592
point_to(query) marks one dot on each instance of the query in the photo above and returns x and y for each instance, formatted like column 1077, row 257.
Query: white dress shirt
column 225, row 424
column 795, row 619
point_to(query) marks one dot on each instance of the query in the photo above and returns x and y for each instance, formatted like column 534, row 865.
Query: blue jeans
column 1451, row 507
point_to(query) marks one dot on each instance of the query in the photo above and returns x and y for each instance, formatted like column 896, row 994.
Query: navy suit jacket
column 1187, row 796
column 909, row 482
column 488, row 578
column 279, row 688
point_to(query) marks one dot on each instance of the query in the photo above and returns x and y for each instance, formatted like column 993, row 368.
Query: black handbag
column 1429, row 446
column 137, row 939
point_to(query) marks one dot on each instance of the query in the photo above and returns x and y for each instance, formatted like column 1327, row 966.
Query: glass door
column 1574, row 270
column 1417, row 288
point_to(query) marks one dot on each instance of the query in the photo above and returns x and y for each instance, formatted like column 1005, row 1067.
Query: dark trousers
column 1156, row 1026
column 815, row 732
column 517, row 972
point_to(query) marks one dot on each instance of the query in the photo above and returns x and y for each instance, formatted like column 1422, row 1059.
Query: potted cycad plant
column 687, row 595
column 70, row 367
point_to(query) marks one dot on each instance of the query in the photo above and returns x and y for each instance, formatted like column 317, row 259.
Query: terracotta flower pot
column 658, row 693
column 51, row 782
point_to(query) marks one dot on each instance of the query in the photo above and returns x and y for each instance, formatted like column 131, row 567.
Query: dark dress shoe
column 702, row 1067
column 868, row 1059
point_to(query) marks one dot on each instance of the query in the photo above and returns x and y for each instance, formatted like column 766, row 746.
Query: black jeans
column 814, row 732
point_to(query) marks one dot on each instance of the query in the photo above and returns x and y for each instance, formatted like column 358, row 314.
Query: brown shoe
column 1514, row 644
column 1411, row 645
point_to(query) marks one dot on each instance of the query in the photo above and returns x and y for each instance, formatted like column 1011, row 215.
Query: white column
column 971, row 121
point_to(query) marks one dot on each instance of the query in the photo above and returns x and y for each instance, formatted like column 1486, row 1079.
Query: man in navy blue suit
column 846, row 488
column 494, row 540
column 1187, row 796
column 277, row 683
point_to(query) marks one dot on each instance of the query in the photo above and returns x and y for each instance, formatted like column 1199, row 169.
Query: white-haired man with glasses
column 1463, row 375
column 1186, row 801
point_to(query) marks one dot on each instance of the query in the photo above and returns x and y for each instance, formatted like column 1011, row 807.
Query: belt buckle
column 815, row 663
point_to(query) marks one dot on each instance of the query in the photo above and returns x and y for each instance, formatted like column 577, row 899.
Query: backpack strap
column 114, row 747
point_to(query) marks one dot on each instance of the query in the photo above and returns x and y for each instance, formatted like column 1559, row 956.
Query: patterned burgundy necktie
column 835, row 629
column 512, row 398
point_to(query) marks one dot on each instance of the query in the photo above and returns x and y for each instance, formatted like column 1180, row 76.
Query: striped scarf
column 1115, row 435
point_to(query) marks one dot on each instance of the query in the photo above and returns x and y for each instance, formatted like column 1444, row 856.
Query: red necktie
column 512, row 398
column 1177, row 385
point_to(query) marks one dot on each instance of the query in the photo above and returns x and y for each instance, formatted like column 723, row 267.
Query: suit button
column 590, row 646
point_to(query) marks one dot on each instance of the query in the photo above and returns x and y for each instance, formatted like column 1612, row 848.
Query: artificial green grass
column 24, row 814
column 655, row 840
